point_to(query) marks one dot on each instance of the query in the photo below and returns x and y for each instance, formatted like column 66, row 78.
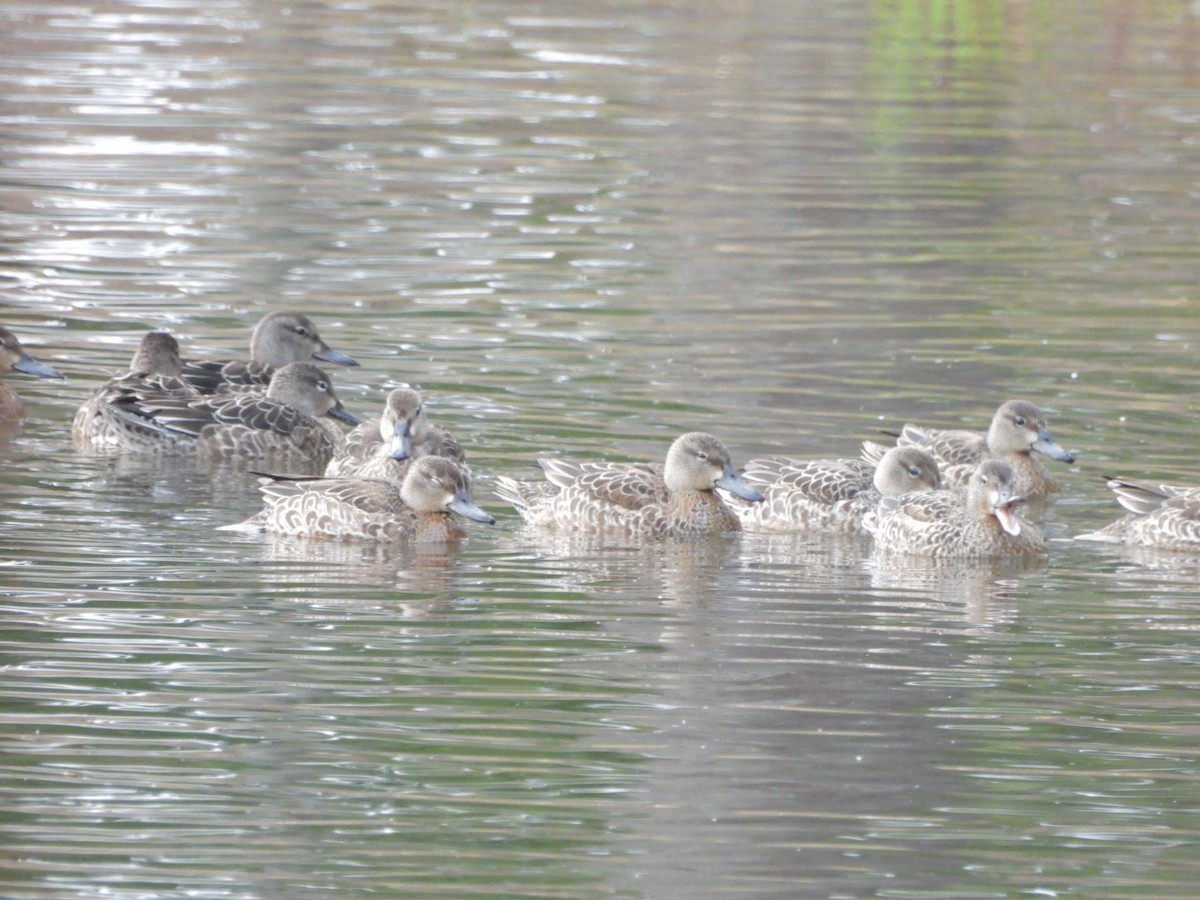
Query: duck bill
column 1006, row 515
column 31, row 366
column 1044, row 444
column 342, row 414
column 736, row 485
column 401, row 444
column 462, row 505
column 325, row 353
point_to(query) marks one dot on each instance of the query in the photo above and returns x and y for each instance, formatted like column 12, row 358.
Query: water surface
column 585, row 230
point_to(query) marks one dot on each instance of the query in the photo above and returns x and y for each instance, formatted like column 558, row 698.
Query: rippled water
column 585, row 229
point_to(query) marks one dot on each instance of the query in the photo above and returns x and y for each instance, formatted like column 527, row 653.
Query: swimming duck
column 633, row 497
column 14, row 358
column 418, row 509
column 288, row 418
column 978, row 520
column 383, row 448
column 156, row 366
column 1018, row 428
column 831, row 494
column 279, row 338
column 1163, row 516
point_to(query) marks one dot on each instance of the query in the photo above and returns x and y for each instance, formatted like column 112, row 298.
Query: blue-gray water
column 583, row 229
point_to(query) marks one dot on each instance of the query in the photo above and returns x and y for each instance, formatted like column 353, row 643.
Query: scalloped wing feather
column 219, row 375
column 255, row 411
column 337, row 508
column 1142, row 498
column 948, row 447
column 630, row 487
column 822, row 480
column 1175, row 525
column 529, row 498
column 937, row 524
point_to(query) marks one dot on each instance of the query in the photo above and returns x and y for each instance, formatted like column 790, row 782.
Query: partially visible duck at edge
column 14, row 358
column 422, row 508
column 980, row 520
column 636, row 498
column 1161, row 516
column 292, row 417
column 384, row 448
column 1018, row 430
column 831, row 495
column 279, row 338
column 156, row 366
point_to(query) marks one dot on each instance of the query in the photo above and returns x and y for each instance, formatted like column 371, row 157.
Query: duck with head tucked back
column 980, row 520
column 831, row 495
column 291, row 417
column 1161, row 516
column 279, row 338
column 385, row 447
column 156, row 366
column 419, row 509
column 1018, row 430
column 634, row 498
column 14, row 358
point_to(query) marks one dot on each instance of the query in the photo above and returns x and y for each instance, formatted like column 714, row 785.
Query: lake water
column 584, row 229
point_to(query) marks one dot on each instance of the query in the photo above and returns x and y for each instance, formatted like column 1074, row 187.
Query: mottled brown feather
column 1016, row 426
column 633, row 498
column 419, row 509
column 954, row 523
column 830, row 494
column 1162, row 516
column 279, row 338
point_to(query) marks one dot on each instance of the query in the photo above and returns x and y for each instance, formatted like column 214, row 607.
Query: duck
column 291, row 417
column 15, row 358
column 831, row 495
column 978, row 520
column 1161, row 516
column 1018, row 429
column 422, row 508
column 383, row 448
column 634, row 498
column 156, row 366
column 279, row 338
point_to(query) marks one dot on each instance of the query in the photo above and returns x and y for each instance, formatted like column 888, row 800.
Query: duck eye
column 301, row 330
column 914, row 471
column 322, row 386
column 1020, row 420
column 701, row 455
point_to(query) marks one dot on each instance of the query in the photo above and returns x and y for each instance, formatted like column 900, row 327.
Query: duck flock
column 935, row 493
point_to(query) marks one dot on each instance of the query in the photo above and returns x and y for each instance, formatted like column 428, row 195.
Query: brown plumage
column 830, row 495
column 977, row 521
column 1018, row 429
column 14, row 358
column 635, row 498
column 290, row 418
column 279, row 338
column 419, row 509
column 385, row 447
column 1163, row 516
column 155, row 367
